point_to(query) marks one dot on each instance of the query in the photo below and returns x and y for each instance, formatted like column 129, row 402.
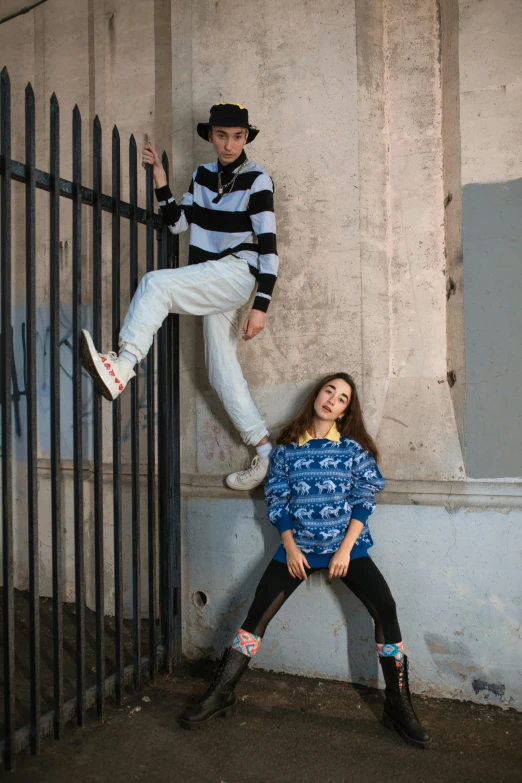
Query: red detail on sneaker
column 112, row 372
column 108, row 366
column 121, row 387
column 117, row 380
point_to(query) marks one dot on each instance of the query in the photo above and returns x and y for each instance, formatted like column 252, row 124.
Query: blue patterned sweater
column 315, row 489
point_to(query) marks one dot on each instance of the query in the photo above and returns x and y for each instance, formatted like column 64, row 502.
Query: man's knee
column 148, row 279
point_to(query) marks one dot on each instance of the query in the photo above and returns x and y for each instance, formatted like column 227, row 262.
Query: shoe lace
column 112, row 355
column 243, row 475
column 404, row 689
column 217, row 678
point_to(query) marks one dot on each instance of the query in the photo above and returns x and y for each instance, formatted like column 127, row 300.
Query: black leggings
column 363, row 578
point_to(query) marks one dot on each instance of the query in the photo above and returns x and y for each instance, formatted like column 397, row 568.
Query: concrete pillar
column 451, row 161
column 417, row 433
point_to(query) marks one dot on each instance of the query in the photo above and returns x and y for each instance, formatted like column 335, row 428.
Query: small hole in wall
column 200, row 598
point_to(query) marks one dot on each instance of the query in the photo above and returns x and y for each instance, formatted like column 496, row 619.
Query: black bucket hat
column 228, row 115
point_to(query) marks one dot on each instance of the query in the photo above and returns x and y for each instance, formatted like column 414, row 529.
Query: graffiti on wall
column 43, row 386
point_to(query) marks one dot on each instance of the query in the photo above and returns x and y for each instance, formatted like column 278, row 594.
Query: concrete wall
column 298, row 76
column 491, row 125
column 440, row 537
column 454, row 576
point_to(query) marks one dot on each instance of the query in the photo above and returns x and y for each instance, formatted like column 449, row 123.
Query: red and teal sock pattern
column 393, row 651
column 246, row 643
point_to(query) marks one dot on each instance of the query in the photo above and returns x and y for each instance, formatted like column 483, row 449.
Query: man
column 230, row 210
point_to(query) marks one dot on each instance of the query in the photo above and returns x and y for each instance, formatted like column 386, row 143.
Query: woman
column 320, row 492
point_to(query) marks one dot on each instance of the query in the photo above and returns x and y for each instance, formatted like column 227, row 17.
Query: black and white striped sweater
column 242, row 223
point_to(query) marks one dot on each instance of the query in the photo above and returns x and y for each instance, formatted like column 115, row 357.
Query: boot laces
column 217, row 677
column 404, row 690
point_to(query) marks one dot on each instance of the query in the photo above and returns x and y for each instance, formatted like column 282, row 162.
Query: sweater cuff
column 285, row 523
column 360, row 513
column 265, row 283
column 261, row 303
column 164, row 193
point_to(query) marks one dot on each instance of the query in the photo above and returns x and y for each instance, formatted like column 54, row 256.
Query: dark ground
column 22, row 659
column 287, row 729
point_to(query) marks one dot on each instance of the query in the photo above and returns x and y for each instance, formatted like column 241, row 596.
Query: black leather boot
column 398, row 709
column 220, row 698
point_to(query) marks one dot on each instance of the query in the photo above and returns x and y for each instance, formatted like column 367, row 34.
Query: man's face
column 228, row 143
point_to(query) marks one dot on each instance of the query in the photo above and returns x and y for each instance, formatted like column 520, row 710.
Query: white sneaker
column 253, row 477
column 109, row 372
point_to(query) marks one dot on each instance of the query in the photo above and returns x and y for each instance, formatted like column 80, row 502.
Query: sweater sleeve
column 177, row 216
column 366, row 482
column 278, row 492
column 262, row 217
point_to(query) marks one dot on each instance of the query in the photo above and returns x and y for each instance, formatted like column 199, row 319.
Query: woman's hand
column 339, row 563
column 149, row 156
column 296, row 562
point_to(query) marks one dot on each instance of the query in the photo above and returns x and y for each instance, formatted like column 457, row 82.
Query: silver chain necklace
column 229, row 185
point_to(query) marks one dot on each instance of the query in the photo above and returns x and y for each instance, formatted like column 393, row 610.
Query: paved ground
column 287, row 730
column 22, row 659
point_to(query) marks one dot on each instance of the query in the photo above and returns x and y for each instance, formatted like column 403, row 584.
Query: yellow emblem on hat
column 229, row 103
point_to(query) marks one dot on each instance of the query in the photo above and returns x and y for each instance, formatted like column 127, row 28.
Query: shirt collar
column 231, row 167
column 333, row 434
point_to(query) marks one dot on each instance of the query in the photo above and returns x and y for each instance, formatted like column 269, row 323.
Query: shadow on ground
column 69, row 624
column 287, row 729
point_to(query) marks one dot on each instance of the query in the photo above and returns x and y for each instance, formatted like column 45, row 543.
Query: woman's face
column 332, row 400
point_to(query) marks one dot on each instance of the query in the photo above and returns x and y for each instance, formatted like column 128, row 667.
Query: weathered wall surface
column 431, row 547
column 417, row 431
column 455, row 580
column 491, row 131
column 452, row 188
column 297, row 75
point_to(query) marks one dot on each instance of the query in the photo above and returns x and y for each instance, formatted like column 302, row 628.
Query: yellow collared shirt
column 333, row 434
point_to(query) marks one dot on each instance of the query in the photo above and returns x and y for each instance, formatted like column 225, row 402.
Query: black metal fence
column 104, row 651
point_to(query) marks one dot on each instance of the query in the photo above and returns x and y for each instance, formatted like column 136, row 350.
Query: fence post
column 151, row 448
column 116, row 421
column 169, row 468
column 79, row 567
column 135, row 434
column 97, row 419
column 56, row 466
column 32, row 424
column 7, row 437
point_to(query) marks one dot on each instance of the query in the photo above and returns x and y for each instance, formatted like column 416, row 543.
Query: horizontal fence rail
column 42, row 181
column 90, row 652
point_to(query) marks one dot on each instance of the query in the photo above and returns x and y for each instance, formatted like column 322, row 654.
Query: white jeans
column 217, row 290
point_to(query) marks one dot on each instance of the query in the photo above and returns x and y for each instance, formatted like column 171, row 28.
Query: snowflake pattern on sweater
column 314, row 490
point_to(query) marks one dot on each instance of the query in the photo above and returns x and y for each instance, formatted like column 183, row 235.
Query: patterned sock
column 246, row 643
column 393, row 651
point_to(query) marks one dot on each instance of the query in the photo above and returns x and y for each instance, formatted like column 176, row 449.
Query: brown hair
column 350, row 426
